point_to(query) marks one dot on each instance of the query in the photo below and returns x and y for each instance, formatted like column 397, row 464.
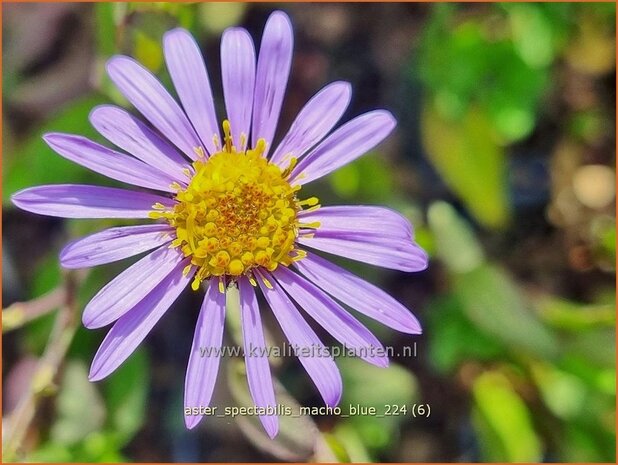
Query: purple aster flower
column 228, row 212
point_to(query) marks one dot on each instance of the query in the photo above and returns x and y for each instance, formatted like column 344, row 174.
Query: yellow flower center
column 238, row 212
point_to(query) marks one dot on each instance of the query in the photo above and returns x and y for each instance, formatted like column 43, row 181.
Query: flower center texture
column 237, row 213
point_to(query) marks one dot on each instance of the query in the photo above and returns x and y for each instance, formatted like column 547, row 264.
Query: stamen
column 314, row 225
column 288, row 170
column 311, row 201
column 299, row 176
column 266, row 282
column 312, row 209
column 237, row 215
column 199, row 151
column 227, row 130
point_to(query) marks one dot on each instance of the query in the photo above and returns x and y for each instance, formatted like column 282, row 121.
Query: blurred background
column 504, row 160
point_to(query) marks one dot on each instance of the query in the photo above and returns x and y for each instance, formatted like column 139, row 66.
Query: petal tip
column 191, row 421
column 235, row 31
column 50, row 137
column 94, row 374
column 382, row 362
column 333, row 397
column 15, row 198
column 347, row 87
column 65, row 258
column 96, row 110
column 281, row 17
column 89, row 320
column 271, row 425
column 20, row 198
column 114, row 65
column 115, row 60
column 413, row 328
column 390, row 119
column 177, row 31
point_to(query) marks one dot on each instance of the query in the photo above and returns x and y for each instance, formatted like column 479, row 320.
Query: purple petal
column 321, row 369
column 238, row 74
column 332, row 317
column 346, row 144
column 205, row 353
column 149, row 96
column 131, row 329
column 188, row 71
column 114, row 244
column 387, row 252
column 361, row 219
column 273, row 70
column 130, row 134
column 314, row 121
column 108, row 162
column 256, row 356
column 84, row 201
column 126, row 290
column 360, row 295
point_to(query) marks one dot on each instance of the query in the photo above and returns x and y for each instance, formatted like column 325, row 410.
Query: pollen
column 238, row 213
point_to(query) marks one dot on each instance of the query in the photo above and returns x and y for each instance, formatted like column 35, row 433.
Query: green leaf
column 532, row 33
column 468, row 157
column 337, row 448
column 47, row 276
column 215, row 17
column 493, row 302
column 453, row 339
column 148, row 51
column 581, row 443
column 503, row 421
column 79, row 406
column 467, row 67
column 563, row 393
column 572, row 316
column 457, row 246
column 597, row 346
column 370, row 386
column 105, row 28
column 353, row 443
column 489, row 298
column 365, row 179
column 125, row 395
column 50, row 452
column 98, row 447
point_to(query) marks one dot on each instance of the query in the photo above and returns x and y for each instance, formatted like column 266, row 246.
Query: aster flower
column 229, row 212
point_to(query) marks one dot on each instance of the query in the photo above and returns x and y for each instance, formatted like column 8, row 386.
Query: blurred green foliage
column 486, row 78
column 535, row 365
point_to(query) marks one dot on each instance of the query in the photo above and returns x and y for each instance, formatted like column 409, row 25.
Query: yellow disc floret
column 237, row 213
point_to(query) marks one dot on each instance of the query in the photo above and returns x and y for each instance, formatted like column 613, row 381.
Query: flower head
column 229, row 212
